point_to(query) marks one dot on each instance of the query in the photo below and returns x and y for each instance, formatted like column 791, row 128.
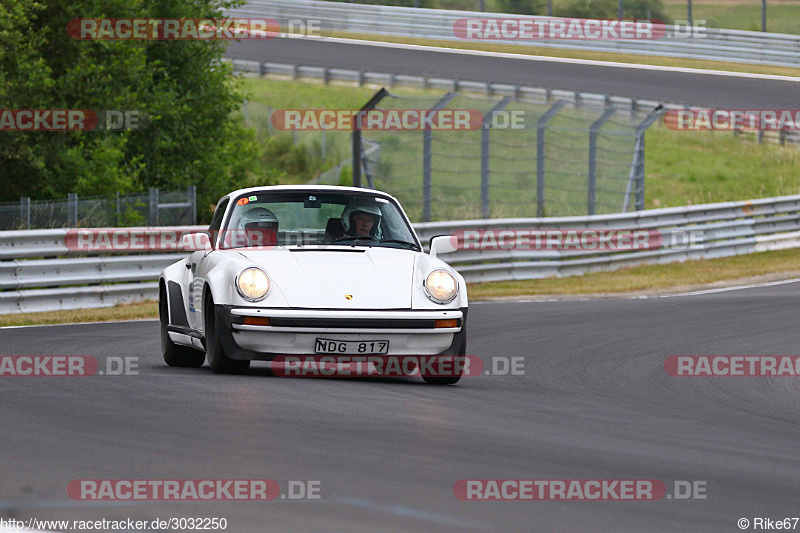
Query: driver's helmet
column 361, row 206
column 260, row 226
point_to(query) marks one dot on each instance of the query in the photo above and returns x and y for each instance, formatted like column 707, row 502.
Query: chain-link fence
column 154, row 208
column 529, row 158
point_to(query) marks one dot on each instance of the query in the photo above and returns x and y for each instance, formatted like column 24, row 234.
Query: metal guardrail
column 729, row 228
column 537, row 95
column 715, row 44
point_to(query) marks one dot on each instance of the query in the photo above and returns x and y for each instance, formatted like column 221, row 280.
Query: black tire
column 175, row 354
column 217, row 360
column 450, row 380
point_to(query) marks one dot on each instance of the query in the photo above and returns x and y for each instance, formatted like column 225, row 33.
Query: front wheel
column 175, row 354
column 217, row 360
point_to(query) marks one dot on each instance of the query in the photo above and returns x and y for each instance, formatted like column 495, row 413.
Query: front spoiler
column 225, row 329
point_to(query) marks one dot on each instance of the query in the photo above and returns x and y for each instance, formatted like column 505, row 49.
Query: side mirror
column 444, row 244
column 193, row 242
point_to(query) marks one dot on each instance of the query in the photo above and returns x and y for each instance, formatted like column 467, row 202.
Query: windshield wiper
column 398, row 241
column 351, row 238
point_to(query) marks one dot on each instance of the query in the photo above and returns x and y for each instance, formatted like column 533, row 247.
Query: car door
column 197, row 269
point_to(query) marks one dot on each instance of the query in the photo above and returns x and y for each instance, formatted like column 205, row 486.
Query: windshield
column 270, row 218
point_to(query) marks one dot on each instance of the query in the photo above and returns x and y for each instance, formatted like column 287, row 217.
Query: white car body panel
column 320, row 278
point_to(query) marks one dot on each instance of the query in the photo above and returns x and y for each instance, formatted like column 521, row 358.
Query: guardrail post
column 593, row 130
column 191, row 197
column 427, row 140
column 25, row 211
column 782, row 137
column 356, row 146
column 72, row 210
column 637, row 166
column 486, row 129
column 153, row 210
column 541, row 127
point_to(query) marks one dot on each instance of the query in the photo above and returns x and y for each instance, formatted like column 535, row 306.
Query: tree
column 183, row 87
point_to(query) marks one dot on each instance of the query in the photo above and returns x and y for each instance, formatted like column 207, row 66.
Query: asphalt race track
column 594, row 403
column 658, row 85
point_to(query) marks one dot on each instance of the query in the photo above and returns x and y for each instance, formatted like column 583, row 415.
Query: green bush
column 346, row 177
column 607, row 9
column 521, row 7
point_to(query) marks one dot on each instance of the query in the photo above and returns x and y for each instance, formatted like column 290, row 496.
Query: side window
column 216, row 222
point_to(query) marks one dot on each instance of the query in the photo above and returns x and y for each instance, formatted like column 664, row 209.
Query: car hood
column 374, row 278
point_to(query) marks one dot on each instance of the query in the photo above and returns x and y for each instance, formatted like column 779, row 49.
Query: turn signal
column 256, row 321
column 447, row 323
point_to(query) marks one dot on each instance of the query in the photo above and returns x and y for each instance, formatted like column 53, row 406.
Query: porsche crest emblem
column 348, row 296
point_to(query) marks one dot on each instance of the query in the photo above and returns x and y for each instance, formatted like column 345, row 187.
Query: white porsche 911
column 296, row 270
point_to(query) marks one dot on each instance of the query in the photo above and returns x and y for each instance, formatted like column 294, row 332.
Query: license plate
column 351, row 347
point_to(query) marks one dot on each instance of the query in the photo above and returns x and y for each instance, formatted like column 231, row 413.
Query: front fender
column 221, row 282
column 423, row 265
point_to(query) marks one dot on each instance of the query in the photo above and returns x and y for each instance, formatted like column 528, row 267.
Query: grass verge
column 105, row 314
column 654, row 278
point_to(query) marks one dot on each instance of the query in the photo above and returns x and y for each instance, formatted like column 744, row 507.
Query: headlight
column 252, row 283
column 441, row 286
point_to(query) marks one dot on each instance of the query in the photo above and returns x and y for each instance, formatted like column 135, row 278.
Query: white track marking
column 736, row 288
column 80, row 324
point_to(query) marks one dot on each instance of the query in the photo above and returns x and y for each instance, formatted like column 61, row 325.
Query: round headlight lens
column 252, row 283
column 441, row 286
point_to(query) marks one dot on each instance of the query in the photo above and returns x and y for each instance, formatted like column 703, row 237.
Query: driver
column 361, row 218
column 260, row 227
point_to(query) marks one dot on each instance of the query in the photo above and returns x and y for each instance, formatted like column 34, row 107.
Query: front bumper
column 294, row 331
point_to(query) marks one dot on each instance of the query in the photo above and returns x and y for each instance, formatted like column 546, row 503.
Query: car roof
column 307, row 188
